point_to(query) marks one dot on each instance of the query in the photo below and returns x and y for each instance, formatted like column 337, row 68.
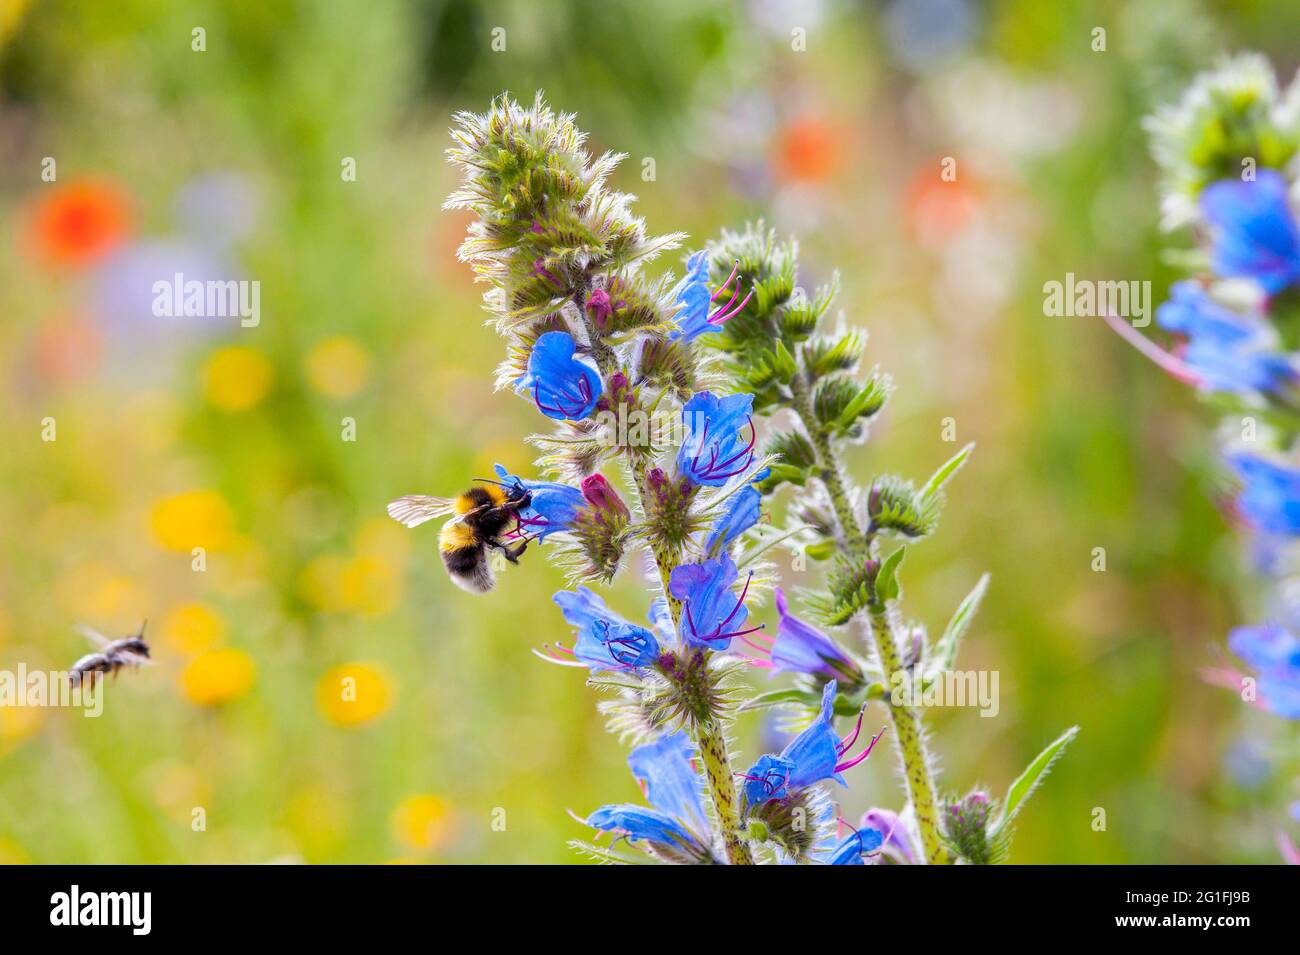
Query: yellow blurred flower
column 421, row 822
column 98, row 591
column 353, row 694
column 366, row 584
column 11, row 853
column 193, row 519
column 370, row 585
column 17, row 723
column 192, row 628
column 337, row 367
column 218, row 676
column 236, row 378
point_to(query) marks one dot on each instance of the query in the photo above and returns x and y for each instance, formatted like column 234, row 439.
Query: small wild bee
column 483, row 513
column 112, row 655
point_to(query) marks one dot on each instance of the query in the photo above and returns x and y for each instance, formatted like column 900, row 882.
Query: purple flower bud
column 599, row 307
column 602, row 497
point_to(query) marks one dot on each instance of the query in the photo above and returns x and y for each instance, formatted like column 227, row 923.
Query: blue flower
column 562, row 386
column 741, row 512
column 851, row 849
column 675, row 822
column 714, row 451
column 692, row 295
column 552, row 508
column 897, row 844
column 1270, row 496
column 605, row 640
column 814, row 755
column 711, row 613
column 1257, row 237
column 801, row 648
column 1226, row 351
column 1274, row 653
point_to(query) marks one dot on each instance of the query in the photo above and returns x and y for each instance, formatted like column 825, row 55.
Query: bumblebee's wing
column 414, row 509
column 93, row 635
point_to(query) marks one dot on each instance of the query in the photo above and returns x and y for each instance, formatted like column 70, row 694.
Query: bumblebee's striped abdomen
column 465, row 557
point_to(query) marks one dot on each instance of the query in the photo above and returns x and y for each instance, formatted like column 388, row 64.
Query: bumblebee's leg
column 511, row 554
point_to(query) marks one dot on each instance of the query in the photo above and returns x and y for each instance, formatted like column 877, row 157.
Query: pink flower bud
column 600, row 494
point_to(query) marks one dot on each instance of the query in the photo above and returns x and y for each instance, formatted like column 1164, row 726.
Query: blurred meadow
column 176, row 433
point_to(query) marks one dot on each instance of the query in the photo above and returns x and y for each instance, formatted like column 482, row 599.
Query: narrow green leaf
column 945, row 473
column 779, row 698
column 945, row 651
column 888, row 586
column 1028, row 780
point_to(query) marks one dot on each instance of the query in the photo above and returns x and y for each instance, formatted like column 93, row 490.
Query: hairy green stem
column 907, row 721
column 709, row 735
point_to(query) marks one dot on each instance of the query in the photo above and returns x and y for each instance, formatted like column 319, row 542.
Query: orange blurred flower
column 808, row 150
column 79, row 223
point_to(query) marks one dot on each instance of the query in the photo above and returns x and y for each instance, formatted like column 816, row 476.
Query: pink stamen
column 723, row 287
column 846, row 743
column 1168, row 362
column 863, row 755
column 727, row 312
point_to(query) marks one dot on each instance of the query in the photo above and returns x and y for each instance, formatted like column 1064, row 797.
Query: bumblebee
column 483, row 514
column 111, row 656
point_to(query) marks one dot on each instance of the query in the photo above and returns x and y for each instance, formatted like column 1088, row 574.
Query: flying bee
column 111, row 655
column 483, row 514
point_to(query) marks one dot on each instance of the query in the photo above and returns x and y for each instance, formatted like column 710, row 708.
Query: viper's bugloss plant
column 1228, row 154
column 673, row 385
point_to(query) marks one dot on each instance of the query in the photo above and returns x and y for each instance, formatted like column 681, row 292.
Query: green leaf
column 783, row 363
column 822, row 550
column 888, row 586
column 1028, row 780
column 779, row 698
column 945, row 473
column 945, row 651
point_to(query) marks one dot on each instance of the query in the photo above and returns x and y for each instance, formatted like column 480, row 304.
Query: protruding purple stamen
column 727, row 311
column 849, row 741
column 863, row 755
column 735, row 267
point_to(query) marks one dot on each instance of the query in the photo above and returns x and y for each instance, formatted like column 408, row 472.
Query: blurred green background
column 174, row 433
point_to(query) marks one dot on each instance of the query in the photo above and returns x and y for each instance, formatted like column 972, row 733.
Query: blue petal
column 815, row 752
column 714, row 451
column 692, row 293
column 768, row 778
column 561, row 386
column 1257, row 237
column 1270, row 497
column 1228, row 351
column 638, row 822
column 1266, row 647
column 711, row 613
column 671, row 783
column 741, row 513
column 851, row 849
column 801, row 648
column 605, row 640
column 553, row 507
